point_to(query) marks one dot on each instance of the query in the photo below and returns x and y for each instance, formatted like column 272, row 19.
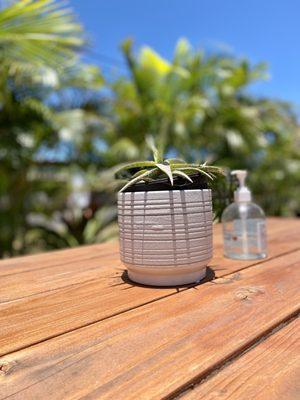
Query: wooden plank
column 38, row 317
column 69, row 256
column 157, row 350
column 32, row 319
column 64, row 269
column 27, row 263
column 80, row 271
column 271, row 370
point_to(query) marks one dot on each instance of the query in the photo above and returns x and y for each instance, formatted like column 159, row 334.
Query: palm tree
column 40, row 45
column 198, row 107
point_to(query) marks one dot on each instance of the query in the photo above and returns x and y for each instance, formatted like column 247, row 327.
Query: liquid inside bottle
column 244, row 230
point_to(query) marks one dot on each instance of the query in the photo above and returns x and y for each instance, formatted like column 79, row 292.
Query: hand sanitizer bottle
column 244, row 225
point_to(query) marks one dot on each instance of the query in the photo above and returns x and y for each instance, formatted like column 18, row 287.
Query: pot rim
column 165, row 191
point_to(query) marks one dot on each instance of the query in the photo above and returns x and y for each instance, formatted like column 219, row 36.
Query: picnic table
column 72, row 326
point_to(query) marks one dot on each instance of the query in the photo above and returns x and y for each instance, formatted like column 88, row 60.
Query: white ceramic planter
column 165, row 236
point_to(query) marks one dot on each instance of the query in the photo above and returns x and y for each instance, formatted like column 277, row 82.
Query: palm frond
column 39, row 32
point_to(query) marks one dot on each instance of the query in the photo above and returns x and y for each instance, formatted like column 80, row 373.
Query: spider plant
column 148, row 171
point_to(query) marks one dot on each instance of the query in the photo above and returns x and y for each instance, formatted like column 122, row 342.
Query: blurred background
column 83, row 84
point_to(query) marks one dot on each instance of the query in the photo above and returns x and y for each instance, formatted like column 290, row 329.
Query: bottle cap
column 242, row 193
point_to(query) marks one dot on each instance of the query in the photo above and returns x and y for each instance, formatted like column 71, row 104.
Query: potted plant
column 165, row 220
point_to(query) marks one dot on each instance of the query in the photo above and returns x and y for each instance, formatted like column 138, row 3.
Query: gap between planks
column 10, row 282
column 71, row 326
column 277, row 279
column 183, row 392
column 177, row 289
column 225, row 276
column 28, row 263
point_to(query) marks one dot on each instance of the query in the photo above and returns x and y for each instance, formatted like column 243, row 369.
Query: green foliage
column 39, row 44
column 151, row 170
column 199, row 107
column 37, row 33
column 61, row 137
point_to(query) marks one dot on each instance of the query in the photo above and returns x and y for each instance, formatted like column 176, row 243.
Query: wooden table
column 73, row 327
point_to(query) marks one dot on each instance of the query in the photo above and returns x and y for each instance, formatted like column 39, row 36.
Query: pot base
column 164, row 277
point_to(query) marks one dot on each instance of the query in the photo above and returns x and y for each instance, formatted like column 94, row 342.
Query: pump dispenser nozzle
column 242, row 193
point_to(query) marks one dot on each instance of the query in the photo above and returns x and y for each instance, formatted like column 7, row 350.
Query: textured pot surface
column 165, row 236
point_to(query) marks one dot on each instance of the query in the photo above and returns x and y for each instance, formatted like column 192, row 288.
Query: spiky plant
column 148, row 171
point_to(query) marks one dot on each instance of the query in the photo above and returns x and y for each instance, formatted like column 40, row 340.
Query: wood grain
column 49, row 278
column 27, row 263
column 37, row 274
column 157, row 350
column 52, row 300
column 32, row 319
column 271, row 370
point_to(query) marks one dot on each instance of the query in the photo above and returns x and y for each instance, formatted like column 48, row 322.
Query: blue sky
column 265, row 30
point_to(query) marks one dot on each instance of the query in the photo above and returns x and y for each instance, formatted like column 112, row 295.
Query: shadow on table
column 210, row 275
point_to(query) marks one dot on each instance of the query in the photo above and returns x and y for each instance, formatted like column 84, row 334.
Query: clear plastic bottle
column 244, row 225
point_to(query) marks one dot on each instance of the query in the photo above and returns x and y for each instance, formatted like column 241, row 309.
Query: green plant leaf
column 207, row 168
column 166, row 169
column 139, row 173
column 137, row 179
column 136, row 164
column 157, row 156
column 192, row 169
column 175, row 161
column 183, row 175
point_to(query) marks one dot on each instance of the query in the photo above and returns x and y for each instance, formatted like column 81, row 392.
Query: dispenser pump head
column 242, row 193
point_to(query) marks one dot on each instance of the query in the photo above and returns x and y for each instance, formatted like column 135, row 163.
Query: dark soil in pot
column 199, row 182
